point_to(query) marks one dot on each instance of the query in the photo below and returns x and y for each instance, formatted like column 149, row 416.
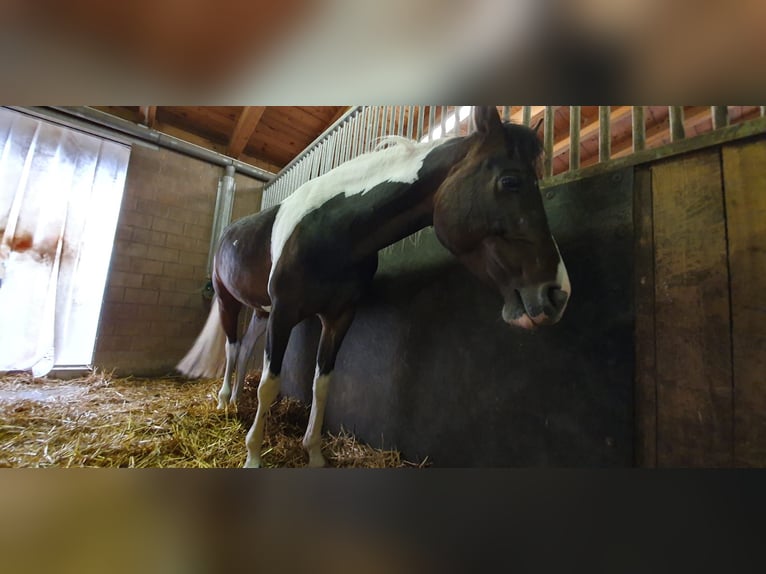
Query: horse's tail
column 207, row 357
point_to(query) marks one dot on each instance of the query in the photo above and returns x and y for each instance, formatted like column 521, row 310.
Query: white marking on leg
column 397, row 164
column 231, row 360
column 312, row 440
column 268, row 389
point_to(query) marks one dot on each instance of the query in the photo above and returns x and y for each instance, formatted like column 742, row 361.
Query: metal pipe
column 604, row 134
column 444, row 121
column 400, row 127
column 384, row 122
column 574, row 138
column 421, row 122
column 344, row 142
column 88, row 116
column 548, row 140
column 457, row 120
column 431, row 120
column 676, row 114
column 526, row 115
column 506, row 113
column 353, row 137
column 639, row 128
column 720, row 116
column 375, row 126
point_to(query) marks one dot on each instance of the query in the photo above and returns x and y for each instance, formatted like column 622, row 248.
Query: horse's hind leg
column 229, row 309
column 333, row 331
column 255, row 329
column 280, row 323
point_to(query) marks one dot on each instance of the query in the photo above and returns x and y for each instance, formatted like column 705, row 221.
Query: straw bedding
column 104, row 421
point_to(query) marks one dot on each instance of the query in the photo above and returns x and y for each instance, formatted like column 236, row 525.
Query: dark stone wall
column 430, row 368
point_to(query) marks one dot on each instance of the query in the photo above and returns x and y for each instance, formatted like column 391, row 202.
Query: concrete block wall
column 153, row 306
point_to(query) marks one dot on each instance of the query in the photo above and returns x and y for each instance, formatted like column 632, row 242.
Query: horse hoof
column 317, row 460
column 252, row 462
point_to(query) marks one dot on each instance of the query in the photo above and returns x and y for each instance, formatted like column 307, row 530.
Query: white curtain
column 60, row 194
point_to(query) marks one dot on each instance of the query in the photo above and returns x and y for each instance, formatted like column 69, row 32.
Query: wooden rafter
column 148, row 115
column 246, row 123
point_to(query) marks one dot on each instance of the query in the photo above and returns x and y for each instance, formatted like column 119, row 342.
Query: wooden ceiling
column 266, row 137
column 269, row 137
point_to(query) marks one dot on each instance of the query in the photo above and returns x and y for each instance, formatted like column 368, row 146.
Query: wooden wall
column 700, row 223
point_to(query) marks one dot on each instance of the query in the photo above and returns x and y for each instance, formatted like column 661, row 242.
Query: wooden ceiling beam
column 246, row 123
column 148, row 115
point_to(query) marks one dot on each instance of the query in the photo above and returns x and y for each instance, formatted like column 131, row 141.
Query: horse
column 316, row 252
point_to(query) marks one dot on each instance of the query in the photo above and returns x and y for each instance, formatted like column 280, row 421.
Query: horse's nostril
column 557, row 297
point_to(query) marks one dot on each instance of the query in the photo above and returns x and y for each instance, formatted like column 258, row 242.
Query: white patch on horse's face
column 562, row 277
column 398, row 163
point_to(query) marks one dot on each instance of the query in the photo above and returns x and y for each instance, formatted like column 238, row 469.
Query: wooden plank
column 246, row 123
column 692, row 320
column 646, row 375
column 744, row 168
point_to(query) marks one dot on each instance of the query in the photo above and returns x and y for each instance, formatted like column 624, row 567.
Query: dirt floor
column 103, row 421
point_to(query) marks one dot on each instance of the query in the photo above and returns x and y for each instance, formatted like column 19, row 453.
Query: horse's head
column 489, row 213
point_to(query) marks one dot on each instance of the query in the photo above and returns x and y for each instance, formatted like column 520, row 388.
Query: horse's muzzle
column 530, row 307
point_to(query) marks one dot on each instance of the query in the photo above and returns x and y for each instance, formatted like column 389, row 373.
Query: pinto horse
column 317, row 251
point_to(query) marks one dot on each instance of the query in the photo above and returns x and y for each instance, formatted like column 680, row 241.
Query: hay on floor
column 104, row 421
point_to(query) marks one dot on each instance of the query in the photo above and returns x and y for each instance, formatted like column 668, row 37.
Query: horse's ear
column 537, row 126
column 486, row 119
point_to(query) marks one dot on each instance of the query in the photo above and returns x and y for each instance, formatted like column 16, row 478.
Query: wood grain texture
column 646, row 375
column 692, row 321
column 745, row 183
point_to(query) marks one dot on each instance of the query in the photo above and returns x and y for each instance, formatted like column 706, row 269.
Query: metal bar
column 506, row 113
column 363, row 130
column 400, row 127
column 720, row 116
column 526, row 115
column 331, row 152
column 421, row 122
column 367, row 129
column 444, row 121
column 375, row 125
column 431, row 120
column 345, row 143
column 763, row 111
column 548, row 140
column 676, row 114
column 457, row 120
column 410, row 123
column 639, row 128
column 604, row 134
column 574, row 138
column 354, row 136
column 384, row 122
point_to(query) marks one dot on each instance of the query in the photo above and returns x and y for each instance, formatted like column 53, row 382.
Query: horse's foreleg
column 277, row 336
column 333, row 331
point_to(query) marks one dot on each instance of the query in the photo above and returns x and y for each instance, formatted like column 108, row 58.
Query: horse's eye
column 510, row 182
